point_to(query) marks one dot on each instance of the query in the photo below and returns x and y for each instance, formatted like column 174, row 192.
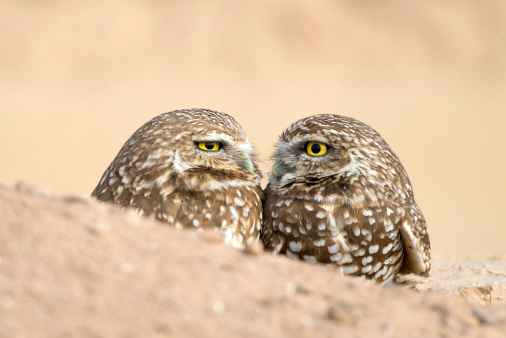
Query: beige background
column 77, row 79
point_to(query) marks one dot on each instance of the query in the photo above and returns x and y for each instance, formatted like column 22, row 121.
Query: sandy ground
column 70, row 266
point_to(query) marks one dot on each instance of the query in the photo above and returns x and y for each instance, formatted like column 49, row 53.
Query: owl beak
column 280, row 168
column 247, row 163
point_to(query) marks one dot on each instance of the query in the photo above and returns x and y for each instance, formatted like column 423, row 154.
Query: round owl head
column 208, row 147
column 184, row 150
column 331, row 155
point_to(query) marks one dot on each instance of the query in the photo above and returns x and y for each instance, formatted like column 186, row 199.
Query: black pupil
column 209, row 145
column 315, row 148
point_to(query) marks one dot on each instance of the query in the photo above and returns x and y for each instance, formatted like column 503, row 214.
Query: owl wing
column 415, row 239
column 138, row 186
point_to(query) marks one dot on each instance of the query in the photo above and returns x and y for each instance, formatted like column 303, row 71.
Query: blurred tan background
column 78, row 78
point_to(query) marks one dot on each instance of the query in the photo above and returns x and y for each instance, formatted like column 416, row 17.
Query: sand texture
column 70, row 266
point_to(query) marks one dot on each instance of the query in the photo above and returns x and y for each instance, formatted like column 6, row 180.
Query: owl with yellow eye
column 191, row 168
column 339, row 195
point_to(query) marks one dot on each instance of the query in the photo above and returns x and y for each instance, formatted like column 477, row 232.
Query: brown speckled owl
column 339, row 195
column 190, row 168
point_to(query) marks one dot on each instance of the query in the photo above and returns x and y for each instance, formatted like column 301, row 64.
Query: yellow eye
column 210, row 146
column 316, row 148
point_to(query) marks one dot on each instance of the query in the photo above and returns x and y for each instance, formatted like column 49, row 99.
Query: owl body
column 339, row 195
column 190, row 168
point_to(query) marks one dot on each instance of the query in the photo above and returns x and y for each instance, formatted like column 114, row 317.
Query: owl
column 339, row 195
column 192, row 168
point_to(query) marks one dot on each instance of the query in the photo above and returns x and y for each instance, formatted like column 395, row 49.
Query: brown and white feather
column 353, row 207
column 161, row 172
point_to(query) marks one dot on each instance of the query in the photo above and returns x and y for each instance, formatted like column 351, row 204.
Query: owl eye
column 210, row 146
column 316, row 148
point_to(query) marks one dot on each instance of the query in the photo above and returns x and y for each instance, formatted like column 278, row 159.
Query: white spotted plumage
column 162, row 172
column 352, row 206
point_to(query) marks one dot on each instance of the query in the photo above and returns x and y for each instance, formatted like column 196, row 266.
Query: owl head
column 183, row 150
column 209, row 150
column 326, row 156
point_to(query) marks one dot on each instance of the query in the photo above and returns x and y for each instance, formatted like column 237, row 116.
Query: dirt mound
column 70, row 266
column 475, row 279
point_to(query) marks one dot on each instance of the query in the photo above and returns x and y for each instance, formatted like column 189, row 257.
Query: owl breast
column 233, row 212
column 332, row 233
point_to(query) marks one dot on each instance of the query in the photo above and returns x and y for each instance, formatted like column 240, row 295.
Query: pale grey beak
column 280, row 168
